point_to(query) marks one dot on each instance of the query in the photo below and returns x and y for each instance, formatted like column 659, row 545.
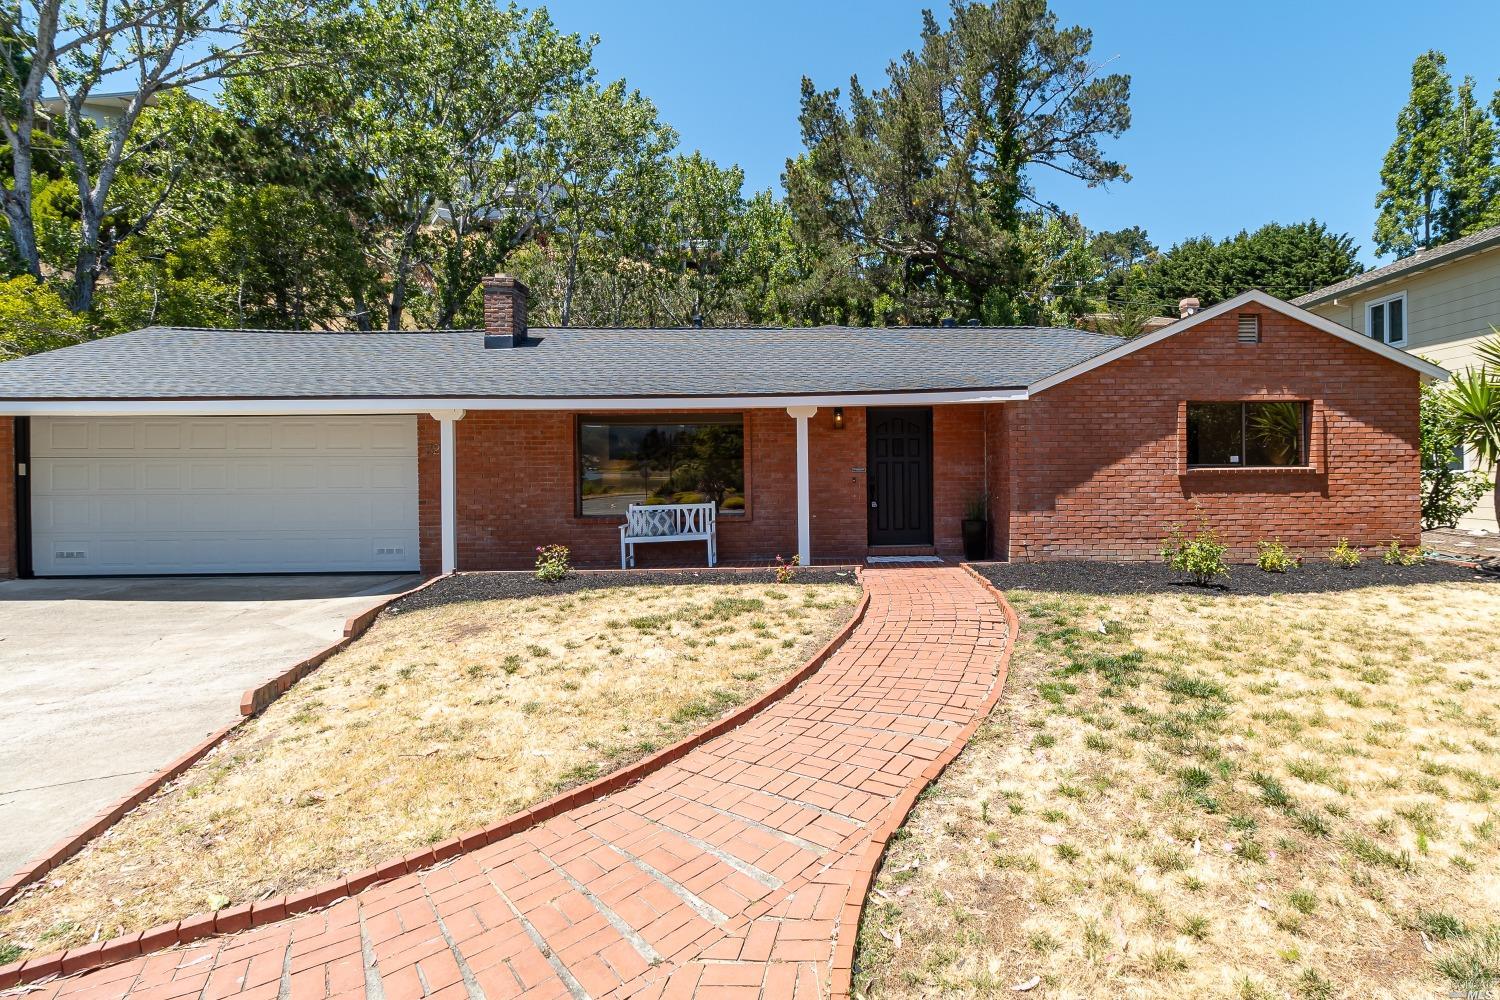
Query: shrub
column 1273, row 557
column 1447, row 493
column 1201, row 557
column 1345, row 555
column 34, row 318
column 1395, row 555
column 786, row 569
column 734, row 503
column 552, row 562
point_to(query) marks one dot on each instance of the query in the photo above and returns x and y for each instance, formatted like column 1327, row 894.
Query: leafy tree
column 927, row 178
column 1283, row 260
column 1447, row 493
column 1411, row 178
column 439, row 105
column 1471, row 195
column 1123, row 249
column 79, row 46
column 1061, row 268
column 704, row 205
column 604, row 154
column 34, row 318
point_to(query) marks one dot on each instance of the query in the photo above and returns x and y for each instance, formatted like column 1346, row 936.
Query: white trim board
column 305, row 406
column 1426, row 369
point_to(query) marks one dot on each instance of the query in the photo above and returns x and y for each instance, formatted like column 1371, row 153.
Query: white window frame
column 1405, row 319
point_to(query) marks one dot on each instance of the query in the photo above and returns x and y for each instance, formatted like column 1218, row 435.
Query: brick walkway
column 724, row 874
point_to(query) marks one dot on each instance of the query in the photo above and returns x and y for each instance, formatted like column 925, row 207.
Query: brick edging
column 246, row 915
column 865, row 866
column 257, row 697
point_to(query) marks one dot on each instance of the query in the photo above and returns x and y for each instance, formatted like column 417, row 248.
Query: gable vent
column 1249, row 328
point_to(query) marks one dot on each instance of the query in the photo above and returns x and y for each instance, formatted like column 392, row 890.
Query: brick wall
column 958, row 472
column 1098, row 462
column 517, row 490
column 8, row 556
column 1094, row 468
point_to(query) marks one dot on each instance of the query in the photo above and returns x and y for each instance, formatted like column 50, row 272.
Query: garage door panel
column 224, row 495
column 71, row 476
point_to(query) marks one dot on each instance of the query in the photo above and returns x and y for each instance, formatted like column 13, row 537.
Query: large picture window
column 649, row 460
column 1247, row 435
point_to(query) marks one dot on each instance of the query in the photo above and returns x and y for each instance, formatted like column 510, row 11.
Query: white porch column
column 448, row 485
column 804, row 492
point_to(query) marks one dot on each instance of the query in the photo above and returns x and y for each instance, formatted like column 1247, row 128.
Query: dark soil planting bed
column 1152, row 578
column 494, row 586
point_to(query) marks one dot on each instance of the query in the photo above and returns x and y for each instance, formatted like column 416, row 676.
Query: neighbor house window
column 1385, row 319
column 1247, row 435
column 651, row 460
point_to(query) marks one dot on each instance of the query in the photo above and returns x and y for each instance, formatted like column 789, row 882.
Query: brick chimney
column 504, row 311
column 1185, row 308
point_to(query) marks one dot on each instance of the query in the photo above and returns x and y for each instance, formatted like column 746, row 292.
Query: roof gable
column 1426, row 369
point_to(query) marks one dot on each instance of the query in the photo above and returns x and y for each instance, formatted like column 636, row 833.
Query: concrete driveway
column 105, row 681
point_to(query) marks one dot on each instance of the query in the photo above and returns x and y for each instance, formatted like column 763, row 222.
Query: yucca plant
column 1473, row 400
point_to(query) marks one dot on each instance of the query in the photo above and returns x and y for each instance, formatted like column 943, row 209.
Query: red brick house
column 187, row 451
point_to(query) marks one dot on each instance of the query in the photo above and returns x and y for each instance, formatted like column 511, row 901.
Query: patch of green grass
column 1443, row 926
column 1371, row 853
column 1185, row 686
column 1472, row 965
column 9, row 952
column 1303, row 901
column 728, row 607
column 1312, row 986
column 1195, row 927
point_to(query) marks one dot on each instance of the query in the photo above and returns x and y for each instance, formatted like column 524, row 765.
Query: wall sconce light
column 838, row 418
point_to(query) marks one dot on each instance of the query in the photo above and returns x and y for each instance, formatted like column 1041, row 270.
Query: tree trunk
column 570, row 281
column 397, row 306
column 86, row 274
column 22, row 227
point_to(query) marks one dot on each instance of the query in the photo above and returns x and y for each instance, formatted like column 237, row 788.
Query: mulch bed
column 497, row 586
column 1158, row 578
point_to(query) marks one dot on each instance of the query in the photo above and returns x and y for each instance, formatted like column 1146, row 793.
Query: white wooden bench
column 668, row 522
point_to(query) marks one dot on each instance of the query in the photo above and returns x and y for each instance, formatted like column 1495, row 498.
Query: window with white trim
column 1385, row 319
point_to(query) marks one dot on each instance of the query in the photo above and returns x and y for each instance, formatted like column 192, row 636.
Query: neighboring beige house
column 1437, row 303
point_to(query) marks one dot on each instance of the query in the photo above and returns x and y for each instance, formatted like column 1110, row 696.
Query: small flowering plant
column 552, row 562
column 786, row 569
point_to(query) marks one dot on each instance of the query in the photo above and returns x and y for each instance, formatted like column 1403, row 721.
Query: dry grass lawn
column 1214, row 796
column 436, row 722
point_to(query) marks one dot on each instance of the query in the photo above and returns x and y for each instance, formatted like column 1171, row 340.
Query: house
column 209, row 451
column 1437, row 303
column 101, row 109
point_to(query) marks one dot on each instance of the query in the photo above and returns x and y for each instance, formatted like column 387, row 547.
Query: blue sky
column 1243, row 113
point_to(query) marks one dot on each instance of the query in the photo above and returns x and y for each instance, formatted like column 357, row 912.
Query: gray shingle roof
column 173, row 363
column 1422, row 259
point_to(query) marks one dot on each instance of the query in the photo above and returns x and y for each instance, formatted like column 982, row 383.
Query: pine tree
column 1471, row 188
column 1411, row 177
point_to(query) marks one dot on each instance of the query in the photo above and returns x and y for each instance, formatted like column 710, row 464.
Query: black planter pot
column 975, row 539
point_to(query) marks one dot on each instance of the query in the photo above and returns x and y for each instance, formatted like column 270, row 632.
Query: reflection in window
column 1247, row 435
column 626, row 460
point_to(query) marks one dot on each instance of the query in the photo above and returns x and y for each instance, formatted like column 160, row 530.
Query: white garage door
column 223, row 494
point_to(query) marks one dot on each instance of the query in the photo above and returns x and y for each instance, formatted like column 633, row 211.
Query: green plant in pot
column 1277, row 427
column 976, row 529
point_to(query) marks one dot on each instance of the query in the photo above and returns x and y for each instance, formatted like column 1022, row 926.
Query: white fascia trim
column 1428, row 370
column 314, row 407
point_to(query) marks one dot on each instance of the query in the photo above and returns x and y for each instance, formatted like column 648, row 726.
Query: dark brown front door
column 900, row 476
